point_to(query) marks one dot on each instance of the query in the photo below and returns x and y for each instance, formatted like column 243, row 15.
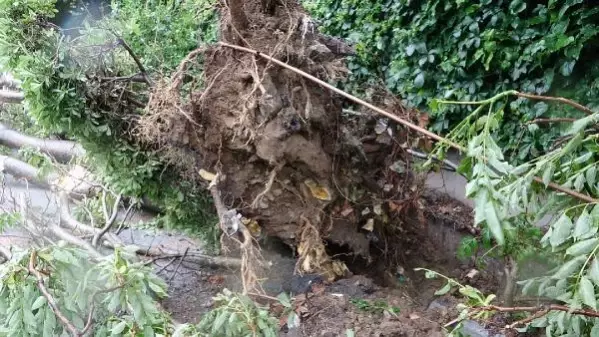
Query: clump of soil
column 291, row 160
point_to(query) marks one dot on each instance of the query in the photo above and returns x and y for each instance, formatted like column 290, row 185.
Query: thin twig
column 49, row 298
column 415, row 127
column 109, row 220
column 178, row 265
column 141, row 67
column 165, row 266
column 551, row 120
column 90, row 316
column 576, row 105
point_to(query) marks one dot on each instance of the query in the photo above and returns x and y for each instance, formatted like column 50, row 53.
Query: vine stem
column 417, row 128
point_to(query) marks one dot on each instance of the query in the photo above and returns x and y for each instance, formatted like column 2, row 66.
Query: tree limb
column 551, row 120
column 11, row 97
column 109, row 219
column 62, row 150
column 50, row 299
column 566, row 101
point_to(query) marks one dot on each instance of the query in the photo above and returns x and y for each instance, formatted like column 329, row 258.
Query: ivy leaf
column 410, row 50
column 582, row 247
column 587, row 292
column 493, row 222
column 419, row 80
column 561, row 231
column 567, row 68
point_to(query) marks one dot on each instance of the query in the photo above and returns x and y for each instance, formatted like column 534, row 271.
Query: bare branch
column 109, row 220
column 566, row 101
column 61, row 150
column 11, row 97
column 50, row 299
column 551, row 120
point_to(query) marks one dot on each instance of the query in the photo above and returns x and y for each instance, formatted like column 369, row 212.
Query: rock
column 472, row 328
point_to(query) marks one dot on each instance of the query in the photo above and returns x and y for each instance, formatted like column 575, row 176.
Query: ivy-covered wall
column 470, row 50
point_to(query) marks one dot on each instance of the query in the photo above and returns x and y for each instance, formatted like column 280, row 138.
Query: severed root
column 230, row 223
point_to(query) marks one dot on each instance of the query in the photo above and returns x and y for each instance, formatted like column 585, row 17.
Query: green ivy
column 469, row 50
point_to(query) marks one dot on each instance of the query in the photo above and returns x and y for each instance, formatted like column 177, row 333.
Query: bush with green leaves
column 71, row 85
column 470, row 50
column 235, row 315
column 114, row 296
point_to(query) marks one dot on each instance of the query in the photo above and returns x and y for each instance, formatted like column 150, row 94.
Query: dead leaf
column 414, row 316
column 317, row 191
column 369, row 226
column 216, row 279
column 208, row 176
column 472, row 273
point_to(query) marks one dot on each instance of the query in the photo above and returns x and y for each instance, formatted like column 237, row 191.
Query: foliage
column 508, row 197
column 475, row 300
column 234, row 315
column 61, row 75
column 469, row 50
column 119, row 291
column 375, row 307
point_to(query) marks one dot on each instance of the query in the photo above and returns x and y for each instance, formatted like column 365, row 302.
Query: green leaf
column 569, row 268
column 118, row 329
column 493, row 223
column 446, row 288
column 583, row 225
column 284, row 300
column 595, row 329
column 587, row 292
column 593, row 272
column 419, row 80
column 582, row 247
column 591, row 174
column 221, row 318
column 548, row 173
column 39, row 302
column 561, row 230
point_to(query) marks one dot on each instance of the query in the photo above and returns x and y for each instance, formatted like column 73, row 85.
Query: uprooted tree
column 163, row 112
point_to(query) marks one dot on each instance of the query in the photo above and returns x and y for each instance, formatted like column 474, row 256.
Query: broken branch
column 566, row 101
column 49, row 298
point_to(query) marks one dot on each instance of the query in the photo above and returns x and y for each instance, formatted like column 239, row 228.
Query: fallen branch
column 109, row 219
column 201, row 259
column 415, row 127
column 11, row 97
column 49, row 298
column 562, row 100
column 537, row 312
column 62, row 150
column 551, row 120
column 141, row 67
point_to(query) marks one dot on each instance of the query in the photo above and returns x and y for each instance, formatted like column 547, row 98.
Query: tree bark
column 10, row 96
column 63, row 151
